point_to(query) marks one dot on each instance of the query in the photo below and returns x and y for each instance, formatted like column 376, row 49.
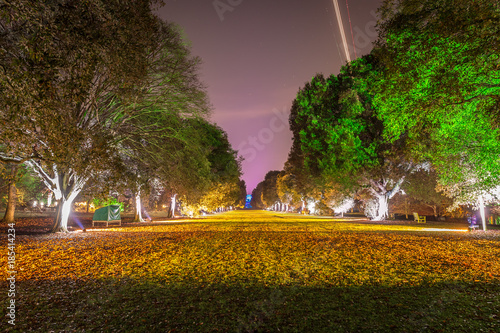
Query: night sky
column 256, row 55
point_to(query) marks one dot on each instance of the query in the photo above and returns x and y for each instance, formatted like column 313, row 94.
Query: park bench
column 473, row 227
column 419, row 219
column 472, row 223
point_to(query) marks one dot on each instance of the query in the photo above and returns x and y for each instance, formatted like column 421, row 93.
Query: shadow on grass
column 133, row 306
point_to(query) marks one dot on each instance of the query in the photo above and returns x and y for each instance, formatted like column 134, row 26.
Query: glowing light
column 350, row 24
column 344, row 206
column 341, row 28
column 34, row 203
column 438, row 229
column 147, row 215
column 78, row 222
column 311, row 206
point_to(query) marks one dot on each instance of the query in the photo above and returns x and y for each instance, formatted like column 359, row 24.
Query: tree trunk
column 481, row 210
column 68, row 187
column 171, row 211
column 49, row 199
column 383, row 207
column 138, row 208
column 407, row 207
column 12, row 197
column 383, row 196
column 62, row 216
column 65, row 186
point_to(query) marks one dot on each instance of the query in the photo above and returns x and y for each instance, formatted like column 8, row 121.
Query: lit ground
column 254, row 271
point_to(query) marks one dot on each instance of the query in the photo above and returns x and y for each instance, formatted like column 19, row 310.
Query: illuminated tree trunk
column 171, row 211
column 382, row 208
column 62, row 216
column 383, row 195
column 12, row 197
column 138, row 208
column 65, row 186
column 49, row 200
column 69, row 186
column 481, row 210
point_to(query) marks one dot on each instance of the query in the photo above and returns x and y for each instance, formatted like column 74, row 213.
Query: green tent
column 109, row 214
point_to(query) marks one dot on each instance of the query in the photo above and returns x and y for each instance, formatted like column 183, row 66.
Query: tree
column 441, row 86
column 269, row 195
column 285, row 190
column 422, row 185
column 10, row 175
column 301, row 184
column 256, row 201
column 243, row 194
column 219, row 186
column 337, row 199
column 341, row 136
column 62, row 63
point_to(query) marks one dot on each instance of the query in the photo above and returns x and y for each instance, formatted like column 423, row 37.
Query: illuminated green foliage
column 341, row 135
column 441, row 85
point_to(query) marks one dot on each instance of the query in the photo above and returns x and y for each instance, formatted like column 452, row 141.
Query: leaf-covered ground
column 255, row 271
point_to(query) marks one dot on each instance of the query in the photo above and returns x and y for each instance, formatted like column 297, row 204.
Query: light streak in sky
column 352, row 35
column 341, row 28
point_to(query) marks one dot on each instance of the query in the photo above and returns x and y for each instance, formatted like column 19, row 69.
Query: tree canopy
column 82, row 80
column 441, row 85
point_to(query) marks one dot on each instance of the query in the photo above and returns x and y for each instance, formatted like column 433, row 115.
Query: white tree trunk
column 49, row 199
column 66, row 210
column 172, row 204
column 382, row 208
column 63, row 211
column 138, row 208
column 481, row 210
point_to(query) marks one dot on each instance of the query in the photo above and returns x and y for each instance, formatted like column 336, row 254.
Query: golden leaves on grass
column 231, row 250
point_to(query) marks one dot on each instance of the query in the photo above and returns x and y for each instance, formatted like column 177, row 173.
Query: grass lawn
column 253, row 271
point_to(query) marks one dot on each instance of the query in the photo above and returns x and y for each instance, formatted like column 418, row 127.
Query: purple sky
column 257, row 54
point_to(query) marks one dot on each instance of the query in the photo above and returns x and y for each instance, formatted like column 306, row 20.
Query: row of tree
column 100, row 95
column 422, row 108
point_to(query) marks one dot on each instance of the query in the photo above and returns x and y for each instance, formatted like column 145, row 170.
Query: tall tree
column 243, row 194
column 422, row 186
column 256, row 201
column 93, row 67
column 342, row 138
column 303, row 185
column 225, row 167
column 441, row 86
column 269, row 190
column 9, row 173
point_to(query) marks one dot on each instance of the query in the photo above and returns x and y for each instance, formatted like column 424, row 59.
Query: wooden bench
column 473, row 227
column 419, row 219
